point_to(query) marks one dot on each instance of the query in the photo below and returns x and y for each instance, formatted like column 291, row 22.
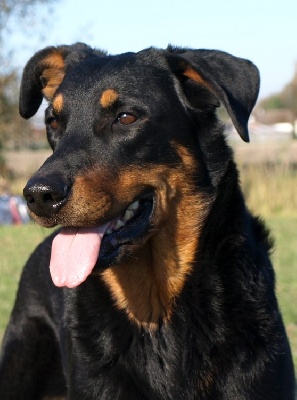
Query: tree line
column 285, row 99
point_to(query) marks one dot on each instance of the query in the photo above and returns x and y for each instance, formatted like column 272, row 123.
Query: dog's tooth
column 119, row 224
column 133, row 206
column 128, row 215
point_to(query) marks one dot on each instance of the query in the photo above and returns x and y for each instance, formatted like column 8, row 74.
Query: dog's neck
column 147, row 285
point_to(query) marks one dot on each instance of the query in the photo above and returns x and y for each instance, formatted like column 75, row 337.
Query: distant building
column 271, row 117
column 282, row 119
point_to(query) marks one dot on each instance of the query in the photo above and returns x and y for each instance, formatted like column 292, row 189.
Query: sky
column 264, row 31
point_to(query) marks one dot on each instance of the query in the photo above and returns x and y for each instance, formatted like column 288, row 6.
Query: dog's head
column 128, row 133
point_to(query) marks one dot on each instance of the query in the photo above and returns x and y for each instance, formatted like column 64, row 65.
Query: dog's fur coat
column 180, row 303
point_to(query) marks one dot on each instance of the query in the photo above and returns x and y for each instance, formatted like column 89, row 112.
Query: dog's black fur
column 181, row 302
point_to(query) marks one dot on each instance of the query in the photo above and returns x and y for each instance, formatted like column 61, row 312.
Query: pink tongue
column 74, row 254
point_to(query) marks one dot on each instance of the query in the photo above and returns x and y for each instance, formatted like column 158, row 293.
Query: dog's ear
column 234, row 81
column 44, row 73
column 41, row 77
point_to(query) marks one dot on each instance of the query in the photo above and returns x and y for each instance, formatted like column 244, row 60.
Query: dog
column 158, row 284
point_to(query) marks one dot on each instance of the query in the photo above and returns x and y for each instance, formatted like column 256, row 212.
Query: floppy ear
column 232, row 80
column 41, row 77
column 45, row 71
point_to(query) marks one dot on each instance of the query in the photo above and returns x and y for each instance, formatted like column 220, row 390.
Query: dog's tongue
column 74, row 254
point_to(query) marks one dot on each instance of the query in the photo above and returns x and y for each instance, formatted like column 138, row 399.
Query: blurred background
column 260, row 30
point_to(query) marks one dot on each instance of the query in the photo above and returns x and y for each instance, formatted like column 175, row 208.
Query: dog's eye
column 126, row 119
column 53, row 123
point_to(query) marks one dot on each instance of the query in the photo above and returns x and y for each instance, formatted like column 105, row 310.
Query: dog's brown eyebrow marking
column 108, row 98
column 58, row 103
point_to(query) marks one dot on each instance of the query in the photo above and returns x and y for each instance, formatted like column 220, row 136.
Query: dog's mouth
column 129, row 228
column 76, row 251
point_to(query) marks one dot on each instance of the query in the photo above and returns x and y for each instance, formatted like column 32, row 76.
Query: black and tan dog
column 158, row 284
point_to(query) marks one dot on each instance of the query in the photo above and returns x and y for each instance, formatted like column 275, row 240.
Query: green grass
column 17, row 242
column 270, row 190
column 285, row 264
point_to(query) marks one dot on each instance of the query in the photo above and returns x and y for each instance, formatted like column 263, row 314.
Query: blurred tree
column 286, row 99
column 273, row 102
column 289, row 94
column 15, row 8
column 16, row 13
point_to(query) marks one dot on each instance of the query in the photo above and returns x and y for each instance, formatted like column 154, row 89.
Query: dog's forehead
column 126, row 73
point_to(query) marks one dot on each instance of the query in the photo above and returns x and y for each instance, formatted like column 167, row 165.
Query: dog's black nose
column 45, row 197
